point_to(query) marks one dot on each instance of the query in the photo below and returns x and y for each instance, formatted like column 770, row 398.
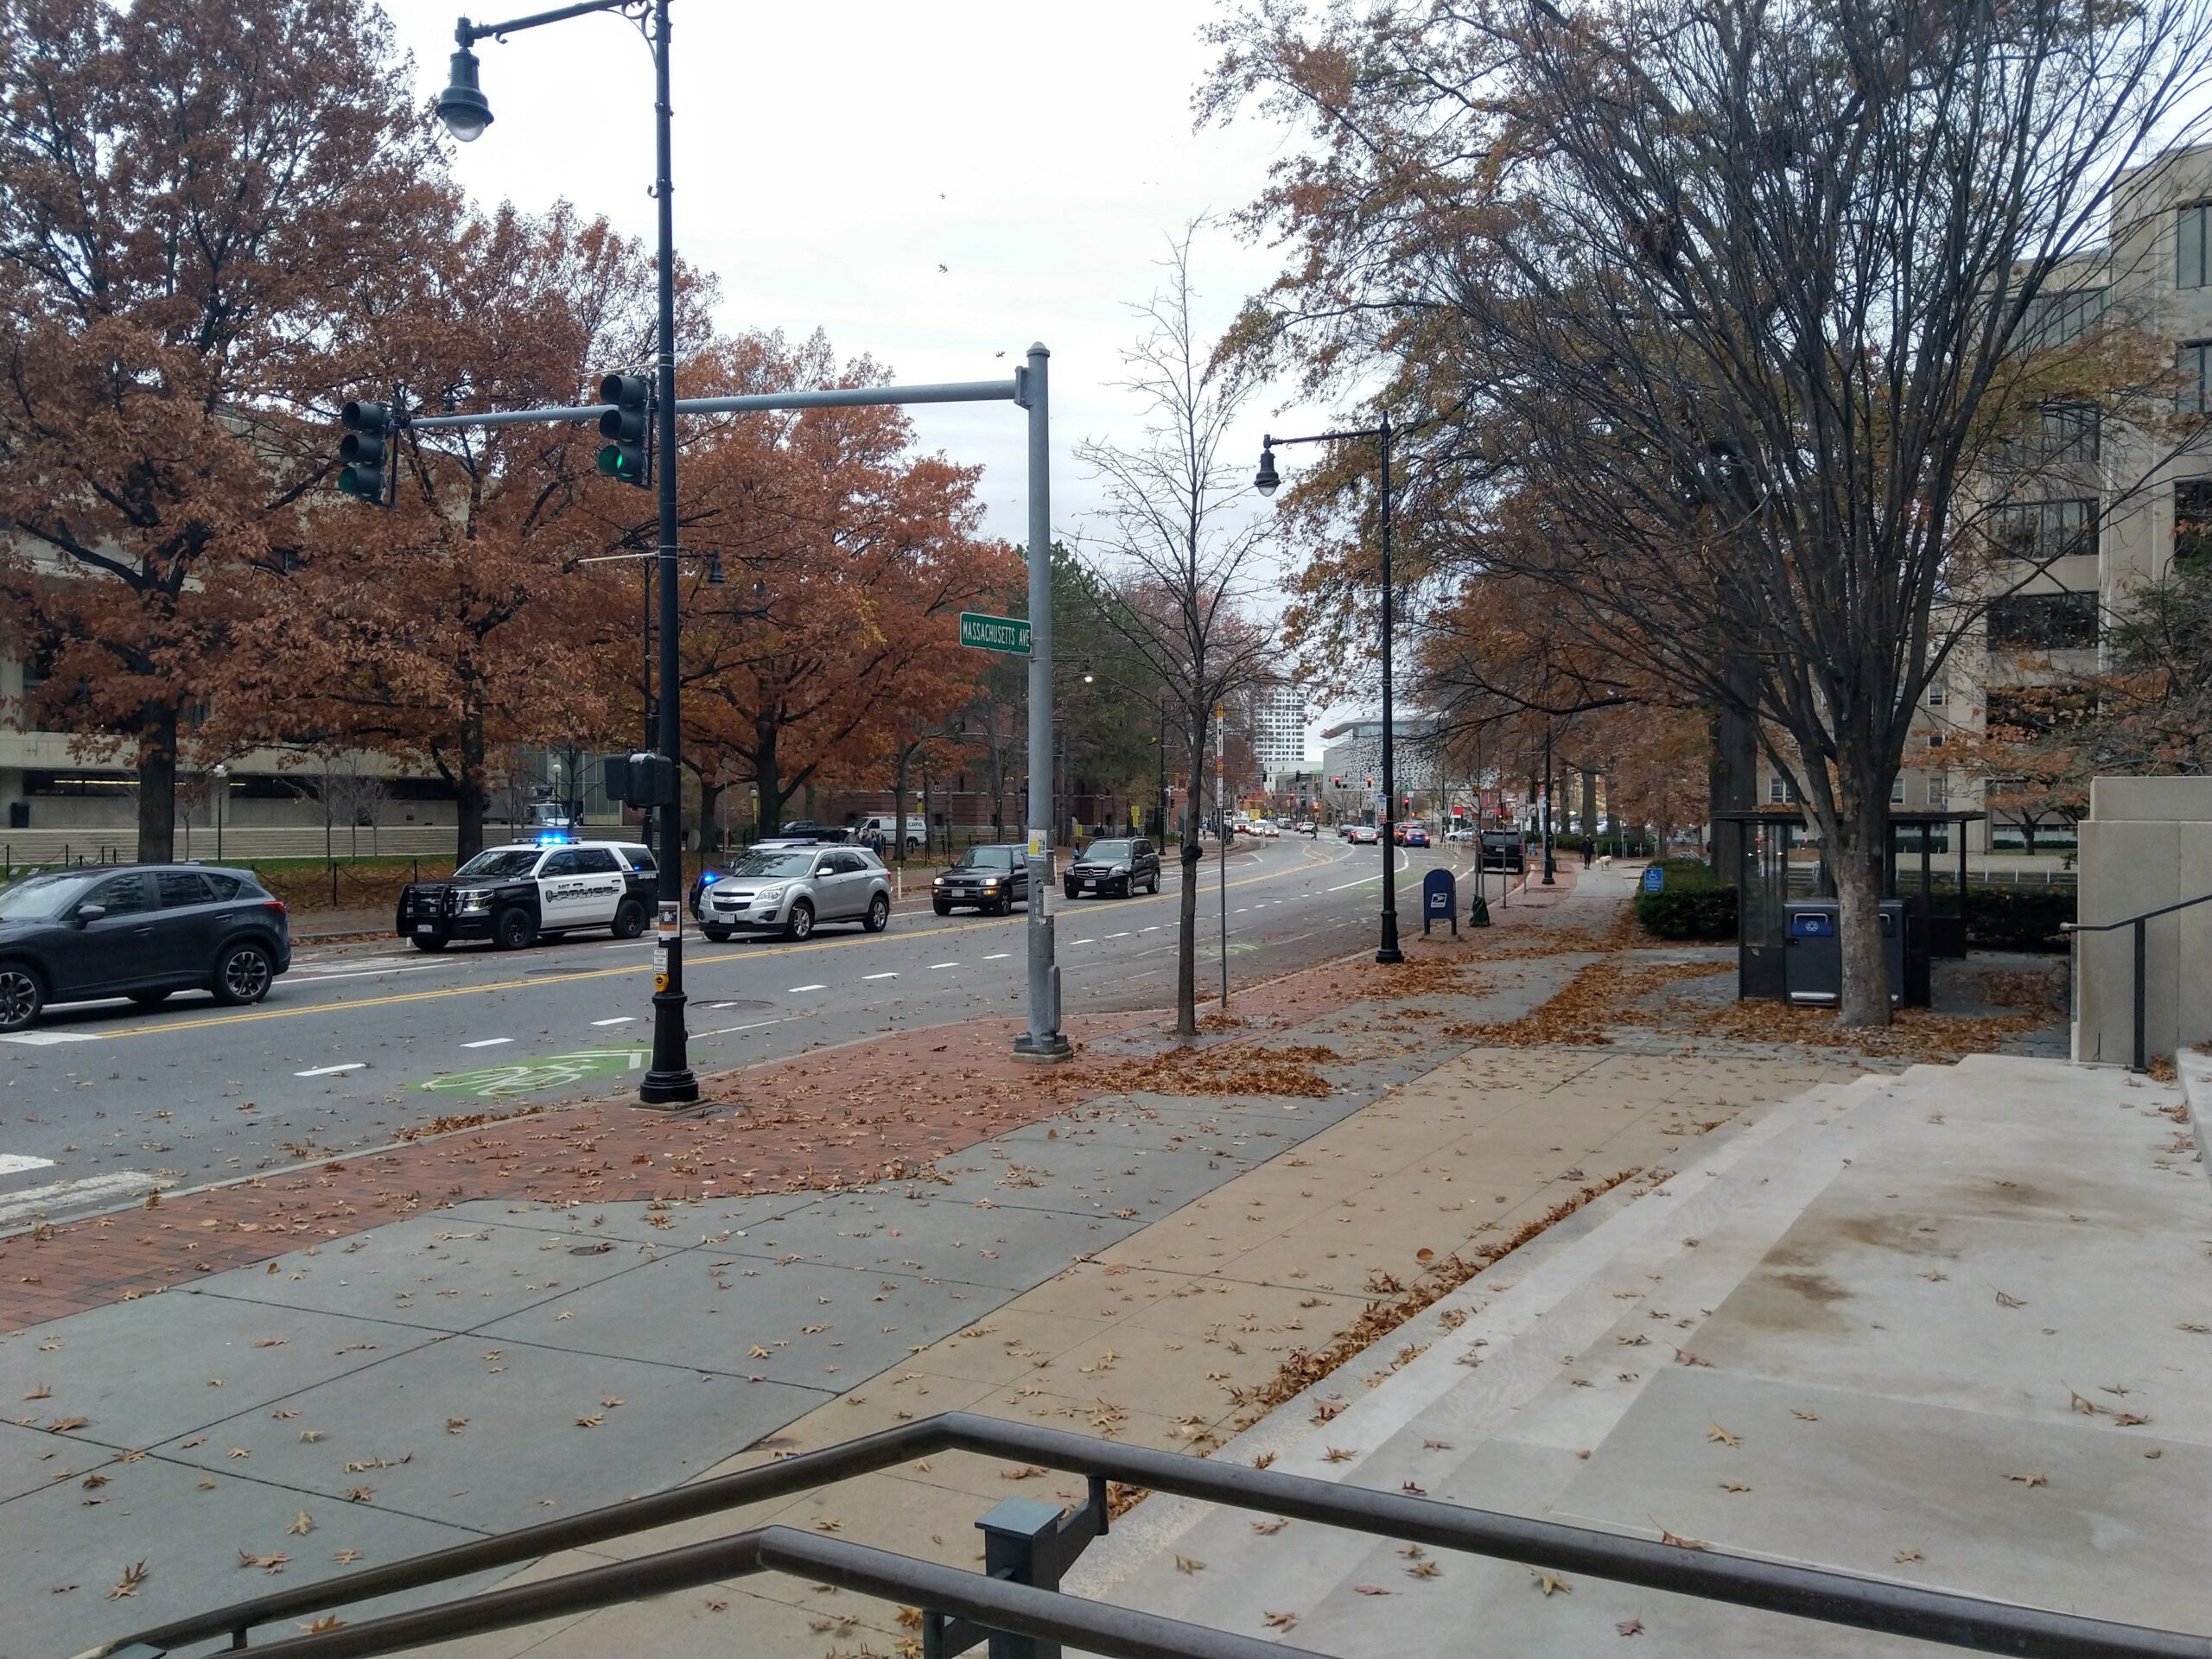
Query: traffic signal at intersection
column 627, row 453
column 364, row 473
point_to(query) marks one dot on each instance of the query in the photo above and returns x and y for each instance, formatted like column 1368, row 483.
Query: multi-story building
column 1352, row 752
column 2107, row 505
column 1279, row 729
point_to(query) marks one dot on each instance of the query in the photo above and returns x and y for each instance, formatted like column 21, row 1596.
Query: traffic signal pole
column 1042, row 1042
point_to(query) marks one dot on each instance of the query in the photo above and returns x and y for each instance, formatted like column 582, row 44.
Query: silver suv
column 789, row 891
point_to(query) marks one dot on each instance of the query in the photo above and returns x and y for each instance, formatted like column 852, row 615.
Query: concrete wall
column 2147, row 841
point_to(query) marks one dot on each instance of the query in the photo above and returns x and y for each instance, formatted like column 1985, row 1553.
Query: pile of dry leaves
column 1604, row 993
column 1914, row 1035
column 1230, row 1069
column 2039, row 990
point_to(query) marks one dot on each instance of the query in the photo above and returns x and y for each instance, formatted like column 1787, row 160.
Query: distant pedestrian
column 875, row 843
column 1589, row 851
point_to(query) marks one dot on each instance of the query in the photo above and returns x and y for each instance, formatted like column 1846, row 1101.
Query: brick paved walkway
column 833, row 1118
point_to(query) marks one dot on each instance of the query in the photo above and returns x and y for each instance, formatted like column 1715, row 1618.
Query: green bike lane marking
column 545, row 1071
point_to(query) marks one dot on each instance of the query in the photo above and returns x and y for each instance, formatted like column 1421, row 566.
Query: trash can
column 1812, row 965
column 1812, row 953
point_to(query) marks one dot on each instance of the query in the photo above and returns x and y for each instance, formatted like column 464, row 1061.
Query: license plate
column 1090, row 887
column 426, row 927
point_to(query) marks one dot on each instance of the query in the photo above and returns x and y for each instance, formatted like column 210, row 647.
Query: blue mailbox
column 1439, row 895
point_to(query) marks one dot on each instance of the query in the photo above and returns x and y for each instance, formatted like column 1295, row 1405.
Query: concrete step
column 1910, row 1296
column 1521, row 1323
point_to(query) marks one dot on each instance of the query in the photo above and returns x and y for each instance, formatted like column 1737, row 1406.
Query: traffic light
column 364, row 474
column 626, row 454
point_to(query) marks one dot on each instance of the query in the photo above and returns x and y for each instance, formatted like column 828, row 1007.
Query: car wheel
column 1154, row 888
column 149, row 999
column 243, row 974
column 432, row 944
column 514, row 931
column 719, row 935
column 879, row 913
column 21, row 996
column 799, row 924
column 940, row 907
column 629, row 919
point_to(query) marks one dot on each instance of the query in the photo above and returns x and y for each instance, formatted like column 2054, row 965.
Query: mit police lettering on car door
column 574, row 886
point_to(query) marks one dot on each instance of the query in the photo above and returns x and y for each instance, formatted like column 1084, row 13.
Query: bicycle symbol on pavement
column 549, row 1072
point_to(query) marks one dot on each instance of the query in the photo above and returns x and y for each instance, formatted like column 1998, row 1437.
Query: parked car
column 528, row 890
column 790, row 892
column 1503, row 850
column 808, row 830
column 1109, row 867
column 1459, row 834
column 142, row 931
column 990, row 879
column 1344, row 830
column 1364, row 834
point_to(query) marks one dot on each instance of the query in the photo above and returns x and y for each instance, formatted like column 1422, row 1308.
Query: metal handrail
column 2141, row 923
column 1807, row 1592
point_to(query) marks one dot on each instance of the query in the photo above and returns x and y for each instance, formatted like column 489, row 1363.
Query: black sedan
column 1109, row 867
column 141, row 931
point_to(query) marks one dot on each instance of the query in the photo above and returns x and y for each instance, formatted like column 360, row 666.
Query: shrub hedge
column 2018, row 918
column 1689, row 910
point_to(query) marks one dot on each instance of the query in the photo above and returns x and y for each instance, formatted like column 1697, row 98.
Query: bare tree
column 1737, row 325
column 1176, row 553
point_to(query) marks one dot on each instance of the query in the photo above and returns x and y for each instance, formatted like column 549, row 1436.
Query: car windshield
column 1107, row 849
column 42, row 898
column 782, row 864
column 988, row 858
column 500, row 863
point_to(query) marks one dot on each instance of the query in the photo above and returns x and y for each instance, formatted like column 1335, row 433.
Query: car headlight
column 771, row 895
column 475, row 899
column 991, row 880
column 1119, row 869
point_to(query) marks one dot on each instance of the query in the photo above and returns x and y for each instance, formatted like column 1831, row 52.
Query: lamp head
column 1265, row 481
column 714, row 570
column 461, row 106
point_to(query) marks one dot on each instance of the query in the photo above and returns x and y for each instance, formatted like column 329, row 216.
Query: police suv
column 514, row 894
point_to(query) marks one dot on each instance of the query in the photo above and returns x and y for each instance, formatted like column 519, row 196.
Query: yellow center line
column 699, row 963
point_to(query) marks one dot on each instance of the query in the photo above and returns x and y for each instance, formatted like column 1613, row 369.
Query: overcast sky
column 829, row 160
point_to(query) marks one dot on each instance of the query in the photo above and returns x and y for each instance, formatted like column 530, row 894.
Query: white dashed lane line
column 795, row 990
column 333, row 1071
column 936, row 965
column 998, row 956
column 618, row 1020
column 879, row 975
column 487, row 1042
column 15, row 1163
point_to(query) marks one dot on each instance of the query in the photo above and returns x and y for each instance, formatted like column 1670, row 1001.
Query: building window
column 1938, row 693
column 2049, row 620
column 2191, row 268
column 1934, row 739
column 1897, row 790
column 1780, row 792
column 2056, row 317
column 2193, row 523
column 2044, row 530
column 2069, row 434
column 2191, row 362
column 1939, row 788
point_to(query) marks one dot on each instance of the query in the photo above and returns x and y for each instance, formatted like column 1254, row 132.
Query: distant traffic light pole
column 1267, row 483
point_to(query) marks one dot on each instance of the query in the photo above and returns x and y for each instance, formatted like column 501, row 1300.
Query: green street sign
column 1007, row 634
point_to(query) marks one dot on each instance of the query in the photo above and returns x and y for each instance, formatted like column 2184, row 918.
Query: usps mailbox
column 1440, row 897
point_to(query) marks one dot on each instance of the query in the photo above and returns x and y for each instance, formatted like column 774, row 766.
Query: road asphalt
column 363, row 1042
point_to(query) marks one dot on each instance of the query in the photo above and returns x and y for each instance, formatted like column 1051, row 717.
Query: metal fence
column 1016, row 1605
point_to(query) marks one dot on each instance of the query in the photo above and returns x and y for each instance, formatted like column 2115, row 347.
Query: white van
column 917, row 830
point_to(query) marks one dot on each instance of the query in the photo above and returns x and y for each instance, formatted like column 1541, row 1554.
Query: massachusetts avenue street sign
column 1005, row 633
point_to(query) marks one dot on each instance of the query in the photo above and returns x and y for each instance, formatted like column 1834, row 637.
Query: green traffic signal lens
column 349, row 482
column 610, row 459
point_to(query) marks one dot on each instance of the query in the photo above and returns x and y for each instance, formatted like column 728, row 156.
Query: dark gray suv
column 140, row 930
column 992, row 878
column 1122, row 866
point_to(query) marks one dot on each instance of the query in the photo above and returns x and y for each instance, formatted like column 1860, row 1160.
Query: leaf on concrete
column 1806, row 1416
column 2029, row 1480
column 128, row 1585
column 1713, row 1431
column 1551, row 1583
column 345, row 1557
column 1268, row 1528
column 1189, row 1564
column 1630, row 1627
column 1904, row 1556
column 1425, row 1570
column 1280, row 1621
column 1368, row 1589
column 2003, row 1301
column 301, row 1525
column 1339, row 1454
column 1734, row 1486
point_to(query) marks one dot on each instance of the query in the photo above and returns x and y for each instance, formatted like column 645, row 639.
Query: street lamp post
column 466, row 113
column 1267, row 482
column 222, row 788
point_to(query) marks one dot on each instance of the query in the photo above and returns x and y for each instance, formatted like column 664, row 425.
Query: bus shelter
column 1782, row 862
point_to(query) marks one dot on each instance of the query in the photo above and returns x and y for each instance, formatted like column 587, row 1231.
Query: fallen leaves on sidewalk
column 301, row 1525
column 1602, row 994
column 128, row 1585
column 1551, row 1583
column 2031, row 1480
column 1913, row 1034
column 1721, row 1436
column 275, row 1561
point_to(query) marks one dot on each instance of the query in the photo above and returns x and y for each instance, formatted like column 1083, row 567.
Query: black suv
column 992, row 878
column 808, row 830
column 1110, row 867
column 140, row 930
column 1502, row 850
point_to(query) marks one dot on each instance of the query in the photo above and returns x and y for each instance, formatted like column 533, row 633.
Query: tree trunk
column 1857, row 872
column 1187, row 917
column 998, row 780
column 470, row 798
column 709, row 794
column 1589, row 803
column 1732, row 774
column 768, row 802
column 157, row 785
column 2027, row 833
column 929, row 819
column 898, row 805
